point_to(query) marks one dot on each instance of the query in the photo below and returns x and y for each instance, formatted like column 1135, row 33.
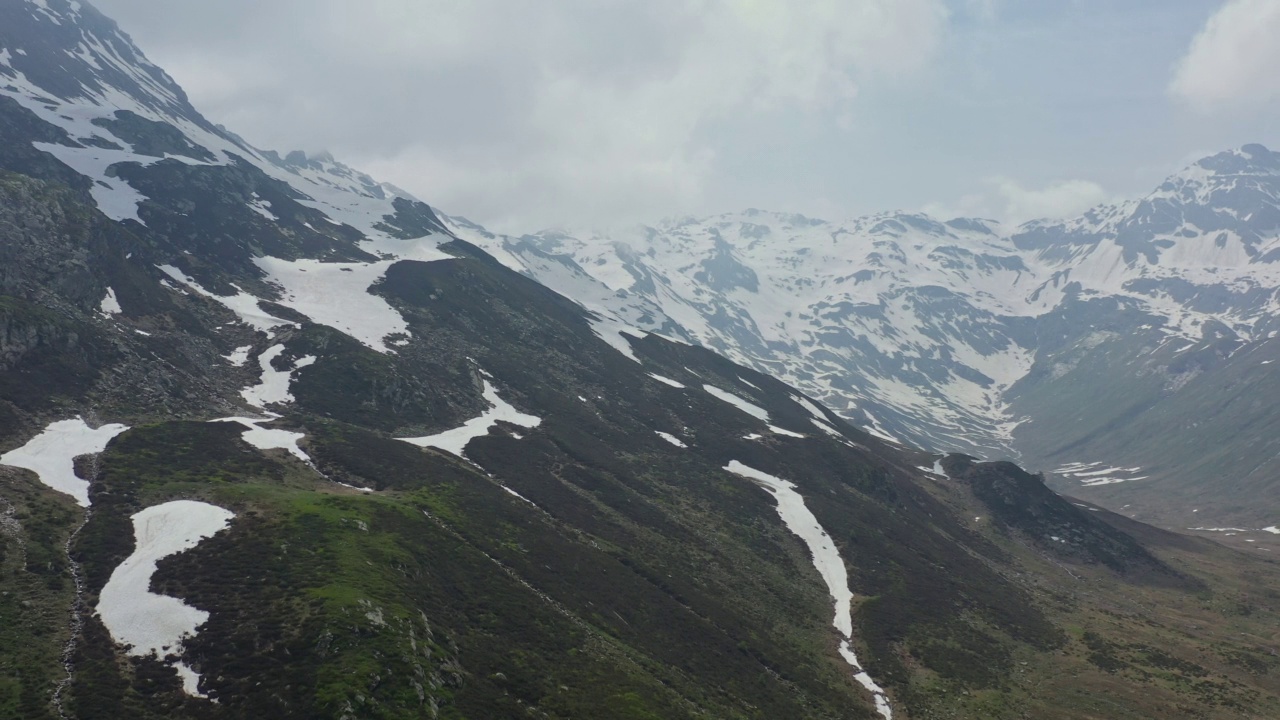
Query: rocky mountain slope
column 1065, row 344
column 275, row 442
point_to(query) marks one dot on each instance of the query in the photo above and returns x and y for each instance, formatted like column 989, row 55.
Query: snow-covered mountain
column 274, row 442
column 943, row 334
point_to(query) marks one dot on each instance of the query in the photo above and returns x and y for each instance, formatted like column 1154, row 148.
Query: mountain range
column 280, row 440
column 1124, row 351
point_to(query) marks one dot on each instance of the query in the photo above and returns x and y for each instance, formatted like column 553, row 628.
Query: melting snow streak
column 754, row 411
column 156, row 624
column 826, row 558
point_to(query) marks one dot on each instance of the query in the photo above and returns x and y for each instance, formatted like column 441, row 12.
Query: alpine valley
column 280, row 441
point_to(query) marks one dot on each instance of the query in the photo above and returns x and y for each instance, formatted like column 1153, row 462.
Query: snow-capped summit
column 97, row 105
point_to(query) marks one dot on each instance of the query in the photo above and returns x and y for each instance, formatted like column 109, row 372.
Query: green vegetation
column 36, row 593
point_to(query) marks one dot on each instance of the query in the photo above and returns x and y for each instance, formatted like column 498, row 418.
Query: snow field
column 151, row 624
column 337, row 295
column 51, row 454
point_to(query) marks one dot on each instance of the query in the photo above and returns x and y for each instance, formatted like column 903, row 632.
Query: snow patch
column 269, row 439
column 455, row 441
column 813, row 409
column 615, row 333
column 671, row 439
column 116, row 198
column 274, row 385
column 936, row 469
column 824, row 427
column 151, row 624
column 783, row 431
column 1094, row 474
column 51, row 454
column 109, row 305
column 754, row 411
column 239, row 356
column 666, row 381
column 516, row 494
column 263, row 208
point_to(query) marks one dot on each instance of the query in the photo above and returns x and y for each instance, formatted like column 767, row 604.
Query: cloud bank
column 525, row 113
column 1013, row 202
column 1233, row 60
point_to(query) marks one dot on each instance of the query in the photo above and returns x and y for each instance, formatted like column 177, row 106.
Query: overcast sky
column 526, row 114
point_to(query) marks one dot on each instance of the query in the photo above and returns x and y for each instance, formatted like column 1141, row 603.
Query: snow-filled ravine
column 455, row 440
column 147, row 623
column 826, row 558
column 51, row 454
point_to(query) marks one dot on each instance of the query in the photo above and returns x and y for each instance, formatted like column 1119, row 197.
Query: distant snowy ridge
column 919, row 329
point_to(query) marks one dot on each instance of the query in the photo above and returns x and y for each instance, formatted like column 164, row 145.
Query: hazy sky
column 525, row 114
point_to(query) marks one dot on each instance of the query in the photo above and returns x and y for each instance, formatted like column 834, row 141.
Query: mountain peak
column 1248, row 160
column 1254, row 150
column 70, row 51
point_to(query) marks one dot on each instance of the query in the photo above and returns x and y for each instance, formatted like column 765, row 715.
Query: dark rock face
column 723, row 272
column 1020, row 502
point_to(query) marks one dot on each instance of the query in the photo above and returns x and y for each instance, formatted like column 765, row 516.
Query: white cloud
column 1234, row 58
column 525, row 113
column 1009, row 201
